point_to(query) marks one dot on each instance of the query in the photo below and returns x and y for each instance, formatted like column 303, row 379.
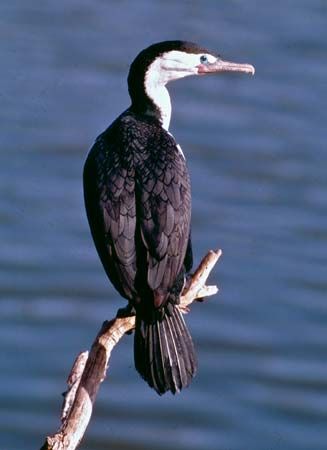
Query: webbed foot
column 128, row 311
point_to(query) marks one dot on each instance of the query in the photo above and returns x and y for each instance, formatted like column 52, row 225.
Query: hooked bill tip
column 246, row 68
column 251, row 69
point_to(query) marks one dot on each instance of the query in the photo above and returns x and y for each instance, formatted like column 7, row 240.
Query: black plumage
column 138, row 202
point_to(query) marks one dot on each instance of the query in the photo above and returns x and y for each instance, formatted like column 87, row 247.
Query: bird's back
column 137, row 196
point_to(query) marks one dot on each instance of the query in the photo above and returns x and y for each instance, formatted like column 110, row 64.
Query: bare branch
column 89, row 370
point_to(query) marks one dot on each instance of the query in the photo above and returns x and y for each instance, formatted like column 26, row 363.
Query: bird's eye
column 203, row 59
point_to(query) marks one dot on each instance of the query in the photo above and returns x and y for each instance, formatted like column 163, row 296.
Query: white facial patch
column 177, row 64
column 168, row 67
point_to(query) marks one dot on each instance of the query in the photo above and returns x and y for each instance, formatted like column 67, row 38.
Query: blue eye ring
column 203, row 59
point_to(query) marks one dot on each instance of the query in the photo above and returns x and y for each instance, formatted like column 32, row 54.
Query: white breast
column 179, row 148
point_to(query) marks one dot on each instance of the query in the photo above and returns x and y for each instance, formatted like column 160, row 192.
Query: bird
column 137, row 196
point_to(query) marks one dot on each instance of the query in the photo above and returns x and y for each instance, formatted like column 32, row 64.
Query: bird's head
column 166, row 61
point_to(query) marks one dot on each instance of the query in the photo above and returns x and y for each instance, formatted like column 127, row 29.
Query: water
column 256, row 149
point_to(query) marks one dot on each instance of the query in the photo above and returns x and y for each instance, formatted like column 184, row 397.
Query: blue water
column 256, row 149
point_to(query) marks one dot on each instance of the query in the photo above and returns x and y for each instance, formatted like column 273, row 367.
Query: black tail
column 164, row 353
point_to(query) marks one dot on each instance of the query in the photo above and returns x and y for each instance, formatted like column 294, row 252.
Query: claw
column 128, row 311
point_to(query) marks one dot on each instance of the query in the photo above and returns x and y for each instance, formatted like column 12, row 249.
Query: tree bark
column 89, row 368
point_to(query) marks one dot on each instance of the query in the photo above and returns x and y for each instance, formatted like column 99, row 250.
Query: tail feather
column 162, row 349
column 178, row 350
column 164, row 353
column 187, row 343
column 174, row 368
column 186, row 347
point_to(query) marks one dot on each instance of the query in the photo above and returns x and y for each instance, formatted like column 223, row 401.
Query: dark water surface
column 256, row 148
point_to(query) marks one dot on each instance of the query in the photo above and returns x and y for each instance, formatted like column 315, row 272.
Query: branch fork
column 89, row 368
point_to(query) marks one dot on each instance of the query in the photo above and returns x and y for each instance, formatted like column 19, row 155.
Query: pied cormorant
column 138, row 202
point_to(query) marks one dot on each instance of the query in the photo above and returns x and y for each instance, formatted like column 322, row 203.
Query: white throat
column 161, row 98
column 167, row 67
column 156, row 90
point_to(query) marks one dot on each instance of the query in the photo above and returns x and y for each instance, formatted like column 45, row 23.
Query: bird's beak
column 225, row 66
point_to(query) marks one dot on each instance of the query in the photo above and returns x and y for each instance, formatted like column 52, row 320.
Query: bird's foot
column 128, row 311
column 187, row 282
column 183, row 308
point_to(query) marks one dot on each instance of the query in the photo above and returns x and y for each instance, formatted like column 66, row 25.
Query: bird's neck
column 154, row 102
column 149, row 94
column 159, row 104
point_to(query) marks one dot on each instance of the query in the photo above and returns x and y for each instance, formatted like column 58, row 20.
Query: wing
column 138, row 205
column 164, row 203
column 109, row 194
